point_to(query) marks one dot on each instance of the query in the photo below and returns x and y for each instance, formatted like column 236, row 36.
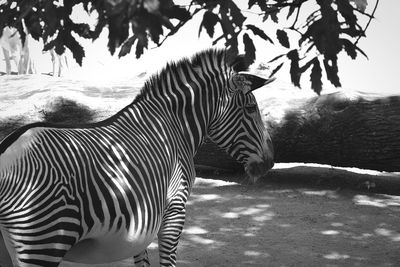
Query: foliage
column 333, row 27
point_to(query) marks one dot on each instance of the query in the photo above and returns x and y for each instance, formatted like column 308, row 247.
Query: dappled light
column 336, row 256
column 286, row 225
column 205, row 197
column 330, row 232
column 201, row 240
column 380, row 201
column 391, row 234
column 320, row 193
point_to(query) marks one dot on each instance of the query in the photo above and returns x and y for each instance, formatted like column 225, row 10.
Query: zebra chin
column 257, row 167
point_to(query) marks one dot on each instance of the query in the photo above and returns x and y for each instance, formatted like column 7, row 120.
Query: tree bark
column 338, row 129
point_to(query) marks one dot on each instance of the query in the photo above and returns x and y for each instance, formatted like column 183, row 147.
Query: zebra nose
column 269, row 164
column 256, row 169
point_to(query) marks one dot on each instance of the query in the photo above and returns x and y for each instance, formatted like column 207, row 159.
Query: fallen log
column 340, row 129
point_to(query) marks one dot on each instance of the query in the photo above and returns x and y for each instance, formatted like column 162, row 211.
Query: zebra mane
column 232, row 59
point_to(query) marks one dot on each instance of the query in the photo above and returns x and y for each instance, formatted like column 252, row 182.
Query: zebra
column 102, row 192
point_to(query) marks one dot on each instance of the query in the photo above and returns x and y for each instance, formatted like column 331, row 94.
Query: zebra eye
column 251, row 108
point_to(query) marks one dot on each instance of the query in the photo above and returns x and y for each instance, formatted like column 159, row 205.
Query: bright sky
column 378, row 74
column 382, row 71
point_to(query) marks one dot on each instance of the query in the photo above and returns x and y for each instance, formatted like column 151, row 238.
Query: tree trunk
column 356, row 130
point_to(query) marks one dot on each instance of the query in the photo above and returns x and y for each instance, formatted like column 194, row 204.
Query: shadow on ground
column 271, row 224
column 287, row 223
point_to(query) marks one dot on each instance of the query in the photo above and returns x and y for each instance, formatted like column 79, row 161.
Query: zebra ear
column 250, row 82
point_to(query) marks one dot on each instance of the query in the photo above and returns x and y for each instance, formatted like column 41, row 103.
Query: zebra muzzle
column 258, row 168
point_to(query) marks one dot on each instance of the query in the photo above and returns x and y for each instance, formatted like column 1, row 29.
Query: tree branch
column 296, row 18
column 369, row 21
column 178, row 26
column 363, row 13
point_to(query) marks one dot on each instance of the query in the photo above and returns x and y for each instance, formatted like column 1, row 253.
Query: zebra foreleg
column 170, row 232
column 142, row 259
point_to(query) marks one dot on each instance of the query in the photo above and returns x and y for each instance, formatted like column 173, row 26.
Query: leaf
column 324, row 32
column 49, row 45
column 262, row 4
column 51, row 16
column 252, row 3
column 177, row 12
column 315, row 76
column 154, row 27
column 331, row 70
column 346, row 10
column 232, row 45
column 82, row 29
column 118, row 32
column 361, row 51
column 274, row 16
column 166, row 22
column 349, row 47
column 36, row 31
column 60, row 49
column 141, row 44
column 126, row 46
column 292, row 8
column 295, row 73
column 76, row 49
column 86, row 7
column 249, row 48
column 257, row 31
column 227, row 26
column 360, row 4
column 270, row 11
column 236, row 14
column 283, row 38
column 307, row 65
column 101, row 23
column 210, row 19
column 353, row 32
column 276, row 69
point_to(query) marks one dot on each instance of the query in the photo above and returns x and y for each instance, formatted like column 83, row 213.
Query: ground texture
column 289, row 224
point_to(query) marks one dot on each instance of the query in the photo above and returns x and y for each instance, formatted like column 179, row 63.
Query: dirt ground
column 305, row 222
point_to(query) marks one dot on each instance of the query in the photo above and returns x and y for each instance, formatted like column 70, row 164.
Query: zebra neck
column 174, row 117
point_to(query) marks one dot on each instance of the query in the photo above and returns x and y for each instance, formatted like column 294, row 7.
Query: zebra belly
column 107, row 249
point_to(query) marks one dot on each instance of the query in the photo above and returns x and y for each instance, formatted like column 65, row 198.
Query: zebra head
column 238, row 127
